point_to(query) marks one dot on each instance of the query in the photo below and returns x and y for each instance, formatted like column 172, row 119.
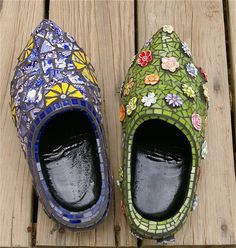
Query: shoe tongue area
column 48, row 25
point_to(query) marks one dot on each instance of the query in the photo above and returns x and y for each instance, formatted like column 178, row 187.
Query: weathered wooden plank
column 232, row 53
column 105, row 30
column 18, row 19
column 201, row 25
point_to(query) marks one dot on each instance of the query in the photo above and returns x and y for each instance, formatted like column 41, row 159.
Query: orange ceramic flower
column 122, row 112
column 152, row 79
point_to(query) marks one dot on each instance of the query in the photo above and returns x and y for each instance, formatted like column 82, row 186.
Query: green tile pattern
column 162, row 44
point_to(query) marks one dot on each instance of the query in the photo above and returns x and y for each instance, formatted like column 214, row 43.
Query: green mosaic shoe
column 163, row 112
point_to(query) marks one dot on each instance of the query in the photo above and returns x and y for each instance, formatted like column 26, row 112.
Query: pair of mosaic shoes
column 56, row 107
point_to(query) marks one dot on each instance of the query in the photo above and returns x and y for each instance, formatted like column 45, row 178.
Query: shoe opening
column 69, row 160
column 161, row 163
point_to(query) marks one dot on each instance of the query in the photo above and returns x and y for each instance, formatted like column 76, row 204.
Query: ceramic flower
column 149, row 99
column 152, row 79
column 148, row 42
column 204, row 74
column 122, row 207
column 173, row 100
column 131, row 105
column 188, row 90
column 206, row 122
column 195, row 202
column 206, row 92
column 186, row 48
column 191, row 69
column 122, row 113
column 204, row 150
column 168, row 29
column 128, row 87
column 169, row 64
column 197, row 121
column 144, row 58
column 120, row 174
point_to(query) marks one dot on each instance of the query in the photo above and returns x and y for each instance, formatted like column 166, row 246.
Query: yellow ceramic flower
column 188, row 90
column 131, row 105
column 81, row 62
column 120, row 174
column 152, row 79
column 27, row 50
column 128, row 87
column 62, row 90
column 206, row 92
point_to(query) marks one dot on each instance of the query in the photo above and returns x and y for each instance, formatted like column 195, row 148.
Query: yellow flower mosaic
column 13, row 109
column 27, row 50
column 62, row 91
column 82, row 62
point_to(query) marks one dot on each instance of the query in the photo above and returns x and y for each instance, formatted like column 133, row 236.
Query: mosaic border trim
column 140, row 225
column 91, row 216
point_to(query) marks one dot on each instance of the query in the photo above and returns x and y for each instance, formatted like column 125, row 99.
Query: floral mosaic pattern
column 168, row 86
column 51, row 67
column 63, row 91
column 28, row 49
column 53, row 75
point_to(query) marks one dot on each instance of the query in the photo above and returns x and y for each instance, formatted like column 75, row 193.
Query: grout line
column 229, row 67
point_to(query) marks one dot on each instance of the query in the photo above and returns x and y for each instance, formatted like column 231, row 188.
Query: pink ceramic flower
column 169, row 64
column 204, row 74
column 197, row 121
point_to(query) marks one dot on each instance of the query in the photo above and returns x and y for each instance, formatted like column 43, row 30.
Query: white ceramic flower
column 168, row 29
column 186, row 48
column 191, row 69
column 149, row 99
column 195, row 202
column 204, row 150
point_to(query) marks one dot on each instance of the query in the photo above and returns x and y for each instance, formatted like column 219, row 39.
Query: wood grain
column 232, row 54
column 18, row 19
column 105, row 30
column 201, row 25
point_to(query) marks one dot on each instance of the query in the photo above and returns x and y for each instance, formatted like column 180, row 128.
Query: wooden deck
column 110, row 32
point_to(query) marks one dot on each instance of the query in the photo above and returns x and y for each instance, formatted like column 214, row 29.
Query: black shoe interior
column 69, row 159
column 161, row 163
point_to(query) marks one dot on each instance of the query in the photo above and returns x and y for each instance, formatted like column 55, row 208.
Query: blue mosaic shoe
column 56, row 107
